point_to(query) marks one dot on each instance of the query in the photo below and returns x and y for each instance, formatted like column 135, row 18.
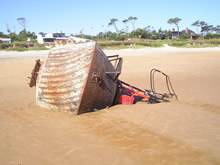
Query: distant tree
column 132, row 20
column 31, row 35
column 112, row 36
column 217, row 29
column 108, row 34
column 149, row 28
column 81, row 33
column 203, row 23
column 113, row 23
column 8, row 28
column 126, row 26
column 100, row 35
column 175, row 21
column 23, row 22
column 168, row 34
column 160, row 31
column 23, row 32
column 1, row 34
column 184, row 37
column 160, row 34
column 207, row 28
column 14, row 37
column 197, row 25
column 139, row 33
column 22, row 36
column 42, row 33
column 212, row 36
column 204, row 27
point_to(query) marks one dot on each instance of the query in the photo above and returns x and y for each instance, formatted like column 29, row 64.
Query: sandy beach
column 176, row 132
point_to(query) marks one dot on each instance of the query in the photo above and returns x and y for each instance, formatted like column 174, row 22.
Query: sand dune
column 177, row 132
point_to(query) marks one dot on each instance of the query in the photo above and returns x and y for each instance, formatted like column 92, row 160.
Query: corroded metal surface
column 67, row 82
column 98, row 95
column 34, row 73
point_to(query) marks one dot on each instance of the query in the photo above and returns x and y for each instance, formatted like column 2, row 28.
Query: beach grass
column 128, row 44
column 144, row 43
column 20, row 49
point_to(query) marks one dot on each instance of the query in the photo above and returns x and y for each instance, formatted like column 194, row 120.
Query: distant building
column 77, row 39
column 51, row 37
column 5, row 40
column 187, row 31
column 59, row 38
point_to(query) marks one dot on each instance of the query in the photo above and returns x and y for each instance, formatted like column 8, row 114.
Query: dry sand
column 177, row 132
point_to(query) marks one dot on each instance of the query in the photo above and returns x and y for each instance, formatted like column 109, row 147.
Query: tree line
column 204, row 29
column 23, row 35
column 202, row 26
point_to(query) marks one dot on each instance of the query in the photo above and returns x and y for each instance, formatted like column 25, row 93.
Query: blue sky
column 71, row 16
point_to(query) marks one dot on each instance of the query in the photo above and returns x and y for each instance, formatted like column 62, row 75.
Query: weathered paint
column 66, row 80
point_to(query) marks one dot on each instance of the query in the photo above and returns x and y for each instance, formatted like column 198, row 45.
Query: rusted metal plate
column 66, row 81
column 34, row 73
column 98, row 95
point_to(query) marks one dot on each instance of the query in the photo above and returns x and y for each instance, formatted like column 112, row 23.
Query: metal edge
column 85, row 85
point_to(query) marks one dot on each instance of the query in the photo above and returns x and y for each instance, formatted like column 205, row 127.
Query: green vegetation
column 21, row 37
column 207, row 36
column 142, row 43
column 22, row 46
column 20, row 49
column 135, row 43
column 212, row 36
column 123, row 47
column 196, row 43
column 175, row 21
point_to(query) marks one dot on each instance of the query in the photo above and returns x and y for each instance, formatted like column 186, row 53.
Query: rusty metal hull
column 66, row 81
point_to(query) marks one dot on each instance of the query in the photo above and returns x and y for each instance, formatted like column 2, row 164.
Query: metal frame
column 118, row 66
column 160, row 96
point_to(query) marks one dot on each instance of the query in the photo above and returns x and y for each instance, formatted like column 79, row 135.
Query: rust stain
column 66, row 81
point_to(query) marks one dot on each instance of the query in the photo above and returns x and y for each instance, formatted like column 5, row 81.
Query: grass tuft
column 19, row 49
